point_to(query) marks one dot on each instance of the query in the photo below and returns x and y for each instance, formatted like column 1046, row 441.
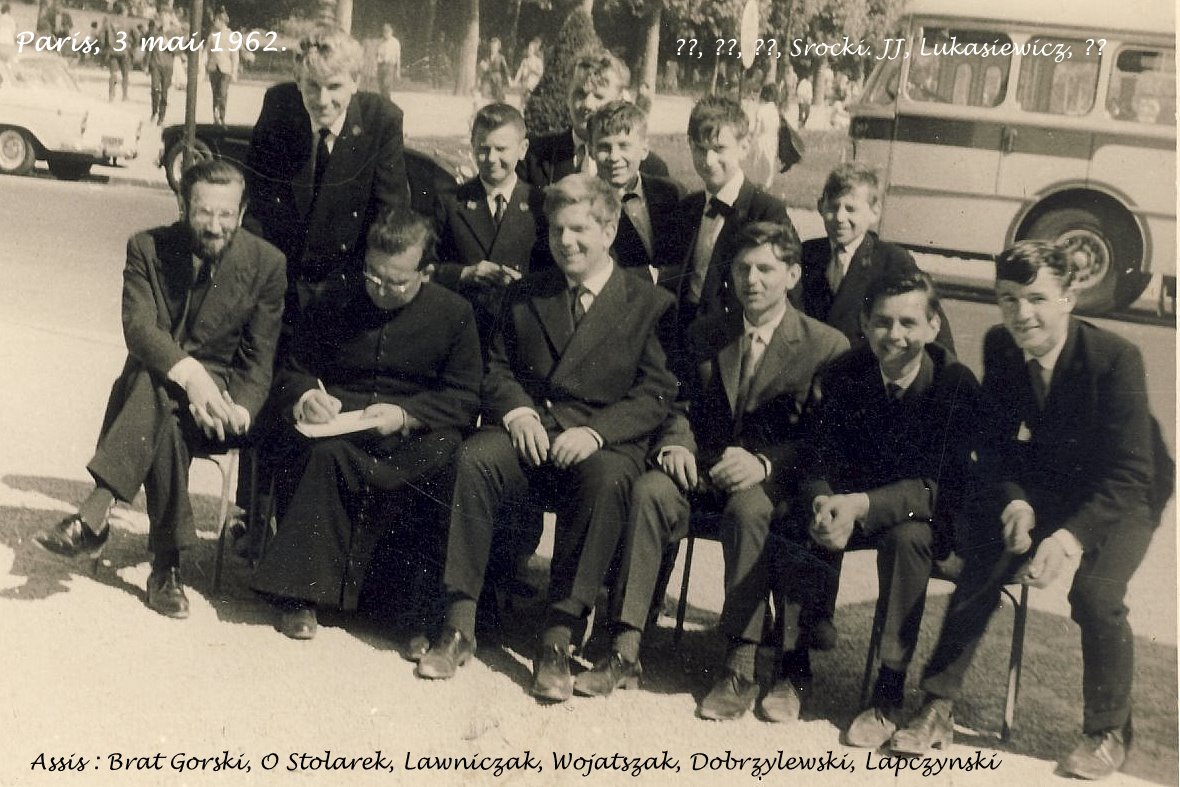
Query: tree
column 468, row 50
column 649, row 13
column 546, row 109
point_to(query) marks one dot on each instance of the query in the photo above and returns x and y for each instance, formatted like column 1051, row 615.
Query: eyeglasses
column 401, row 288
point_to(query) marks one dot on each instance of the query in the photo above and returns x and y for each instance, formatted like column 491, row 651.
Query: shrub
column 546, row 108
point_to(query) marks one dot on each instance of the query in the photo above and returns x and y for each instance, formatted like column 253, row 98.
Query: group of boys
column 644, row 365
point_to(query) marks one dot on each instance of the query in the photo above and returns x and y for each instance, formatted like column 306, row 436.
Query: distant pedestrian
column 531, row 69
column 763, row 162
column 161, row 61
column 117, row 40
column 493, row 73
column 803, row 96
column 389, row 60
column 222, row 67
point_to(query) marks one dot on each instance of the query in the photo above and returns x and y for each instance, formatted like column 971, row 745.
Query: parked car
column 45, row 115
column 428, row 175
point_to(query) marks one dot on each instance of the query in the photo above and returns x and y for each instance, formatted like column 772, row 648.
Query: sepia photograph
column 562, row 392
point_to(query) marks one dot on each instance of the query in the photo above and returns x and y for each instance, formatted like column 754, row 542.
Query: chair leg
column 228, row 473
column 1015, row 661
column 866, row 681
column 682, row 606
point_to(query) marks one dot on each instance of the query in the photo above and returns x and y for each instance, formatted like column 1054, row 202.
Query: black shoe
column 165, row 593
column 450, row 651
column 418, row 646
column 613, row 672
column 783, row 703
column 730, row 698
column 551, row 674
column 298, row 623
column 932, row 728
column 71, row 537
column 1098, row 755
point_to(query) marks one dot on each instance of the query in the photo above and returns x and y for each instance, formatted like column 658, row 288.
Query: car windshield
column 39, row 73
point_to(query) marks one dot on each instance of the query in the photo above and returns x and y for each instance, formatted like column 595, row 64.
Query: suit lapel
column 718, row 261
column 599, row 323
column 174, row 268
column 855, row 278
column 553, row 311
column 230, row 283
column 729, row 364
column 1068, row 366
column 472, row 208
column 775, row 360
column 694, row 208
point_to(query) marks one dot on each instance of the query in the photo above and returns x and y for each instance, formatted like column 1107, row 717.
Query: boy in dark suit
column 886, row 470
column 490, row 230
column 576, row 384
column 1069, row 466
column 597, row 80
column 719, row 137
column 837, row 269
column 647, row 225
column 729, row 453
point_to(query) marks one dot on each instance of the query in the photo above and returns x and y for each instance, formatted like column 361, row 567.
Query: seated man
column 403, row 350
column 1067, row 458
column 885, row 470
column 648, row 225
column 576, row 384
column 732, row 454
column 202, row 308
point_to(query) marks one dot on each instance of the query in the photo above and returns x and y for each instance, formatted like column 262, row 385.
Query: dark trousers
column 161, row 75
column 219, row 82
column 148, row 439
column 351, row 491
column 661, row 515
column 1096, row 605
column 804, row 113
column 493, row 485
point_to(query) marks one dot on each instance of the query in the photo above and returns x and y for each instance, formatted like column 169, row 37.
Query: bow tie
column 718, row 208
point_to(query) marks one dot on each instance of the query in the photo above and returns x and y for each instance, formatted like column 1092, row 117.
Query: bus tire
column 1106, row 249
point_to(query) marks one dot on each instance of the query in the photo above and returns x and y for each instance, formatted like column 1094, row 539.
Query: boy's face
column 618, row 156
column 585, row 99
column 579, row 243
column 761, row 280
column 848, row 216
column 720, row 161
column 497, row 153
column 897, row 329
column 1037, row 314
column 326, row 98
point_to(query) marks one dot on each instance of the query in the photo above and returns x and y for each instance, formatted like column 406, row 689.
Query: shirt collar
column 636, row 189
column 766, row 330
column 596, row 282
column 506, row 188
column 1049, row 359
column 335, row 129
column 729, row 192
column 905, row 382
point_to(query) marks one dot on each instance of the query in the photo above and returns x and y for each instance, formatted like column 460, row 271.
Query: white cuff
column 517, row 412
column 1069, row 543
column 183, row 370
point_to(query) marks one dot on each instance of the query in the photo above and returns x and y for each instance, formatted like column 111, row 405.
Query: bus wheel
column 1106, row 252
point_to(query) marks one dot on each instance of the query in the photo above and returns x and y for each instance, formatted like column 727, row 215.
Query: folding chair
column 227, row 464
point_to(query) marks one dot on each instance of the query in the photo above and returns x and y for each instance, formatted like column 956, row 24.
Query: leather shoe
column 298, row 623
column 932, row 728
column 418, row 646
column 783, row 703
column 450, row 651
column 165, row 593
column 72, row 538
column 731, row 696
column 1098, row 755
column 872, row 727
column 613, row 672
column 551, row 674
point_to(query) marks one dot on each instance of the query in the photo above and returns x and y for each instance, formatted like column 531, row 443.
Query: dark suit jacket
column 234, row 331
column 467, row 234
column 911, row 456
column 778, row 406
column 610, row 374
column 1090, row 448
column 752, row 204
column 662, row 196
column 423, row 356
column 842, row 309
column 366, row 175
column 551, row 157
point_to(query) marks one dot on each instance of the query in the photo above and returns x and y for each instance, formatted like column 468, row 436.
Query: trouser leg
column 903, row 574
column 659, row 516
column 745, row 525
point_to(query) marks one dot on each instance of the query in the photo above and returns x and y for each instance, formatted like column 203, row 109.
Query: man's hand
column 392, row 417
column 680, row 464
column 530, row 439
column 1018, row 521
column 834, row 518
column 737, row 469
column 1046, row 565
column 487, row 274
column 207, row 405
column 239, row 420
column 573, row 446
column 318, row 407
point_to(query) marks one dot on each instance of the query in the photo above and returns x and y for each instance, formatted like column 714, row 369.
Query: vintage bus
column 1006, row 120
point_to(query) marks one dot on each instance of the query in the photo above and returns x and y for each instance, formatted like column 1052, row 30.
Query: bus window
column 959, row 67
column 1065, row 88
column 1143, row 87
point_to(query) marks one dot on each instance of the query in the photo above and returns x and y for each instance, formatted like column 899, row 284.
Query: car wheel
column 16, row 152
column 1106, row 251
column 174, row 158
column 69, row 167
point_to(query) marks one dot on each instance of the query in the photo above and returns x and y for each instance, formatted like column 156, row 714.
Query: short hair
column 583, row 189
column 328, row 50
column 714, row 112
column 400, row 229
column 768, row 93
column 898, row 279
column 1022, row 262
column 780, row 237
column 617, row 117
column 596, row 68
column 5, row 8
column 846, row 177
column 493, row 116
column 217, row 171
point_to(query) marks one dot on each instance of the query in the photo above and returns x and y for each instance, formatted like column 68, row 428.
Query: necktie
column 582, row 298
column 836, row 268
column 894, row 391
column 751, row 355
column 1036, row 375
column 321, row 160
column 501, row 204
column 202, row 281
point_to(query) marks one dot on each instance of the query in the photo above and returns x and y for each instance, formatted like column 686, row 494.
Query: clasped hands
column 1050, row 559
column 487, row 273
column 531, row 442
column 834, row 517
column 738, row 469
column 214, row 410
